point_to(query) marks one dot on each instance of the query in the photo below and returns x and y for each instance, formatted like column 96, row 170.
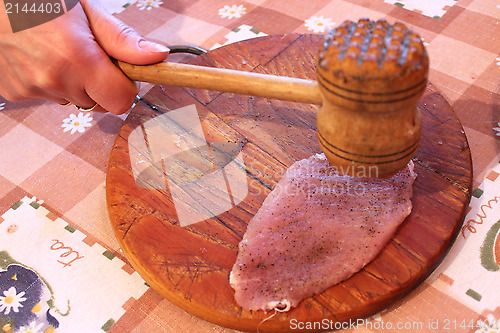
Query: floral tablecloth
column 61, row 269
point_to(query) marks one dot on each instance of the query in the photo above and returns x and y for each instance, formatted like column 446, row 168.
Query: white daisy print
column 77, row 123
column 32, row 328
column 11, row 301
column 233, row 11
column 2, row 106
column 318, row 23
column 497, row 129
column 148, row 4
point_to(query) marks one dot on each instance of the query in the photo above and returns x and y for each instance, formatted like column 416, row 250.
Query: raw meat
column 314, row 230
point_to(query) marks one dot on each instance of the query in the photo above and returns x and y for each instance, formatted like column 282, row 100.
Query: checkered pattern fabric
column 59, row 156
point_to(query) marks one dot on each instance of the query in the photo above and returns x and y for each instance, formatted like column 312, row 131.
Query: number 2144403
column 33, row 8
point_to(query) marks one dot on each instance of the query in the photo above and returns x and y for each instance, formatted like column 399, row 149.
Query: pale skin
column 68, row 59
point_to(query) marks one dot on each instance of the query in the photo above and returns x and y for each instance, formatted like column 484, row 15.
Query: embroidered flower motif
column 497, row 129
column 77, row 123
column 148, row 4
column 318, row 24
column 233, row 11
column 2, row 106
column 11, row 300
column 32, row 328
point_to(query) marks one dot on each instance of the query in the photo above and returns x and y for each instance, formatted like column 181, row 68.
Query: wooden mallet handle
column 226, row 80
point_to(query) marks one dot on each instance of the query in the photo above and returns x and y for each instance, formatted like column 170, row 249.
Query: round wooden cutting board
column 190, row 265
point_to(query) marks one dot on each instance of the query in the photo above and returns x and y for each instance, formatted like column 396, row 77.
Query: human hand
column 68, row 60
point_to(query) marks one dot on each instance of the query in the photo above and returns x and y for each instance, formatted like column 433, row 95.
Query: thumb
column 119, row 40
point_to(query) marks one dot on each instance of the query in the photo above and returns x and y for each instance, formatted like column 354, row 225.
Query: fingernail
column 152, row 47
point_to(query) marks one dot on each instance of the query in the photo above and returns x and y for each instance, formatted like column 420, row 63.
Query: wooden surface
column 190, row 265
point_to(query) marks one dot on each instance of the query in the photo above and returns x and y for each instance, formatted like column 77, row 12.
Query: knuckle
column 124, row 32
column 48, row 81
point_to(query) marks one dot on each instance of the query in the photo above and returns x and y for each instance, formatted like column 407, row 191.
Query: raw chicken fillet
column 314, row 230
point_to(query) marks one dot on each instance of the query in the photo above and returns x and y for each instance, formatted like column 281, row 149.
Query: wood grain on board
column 190, row 265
